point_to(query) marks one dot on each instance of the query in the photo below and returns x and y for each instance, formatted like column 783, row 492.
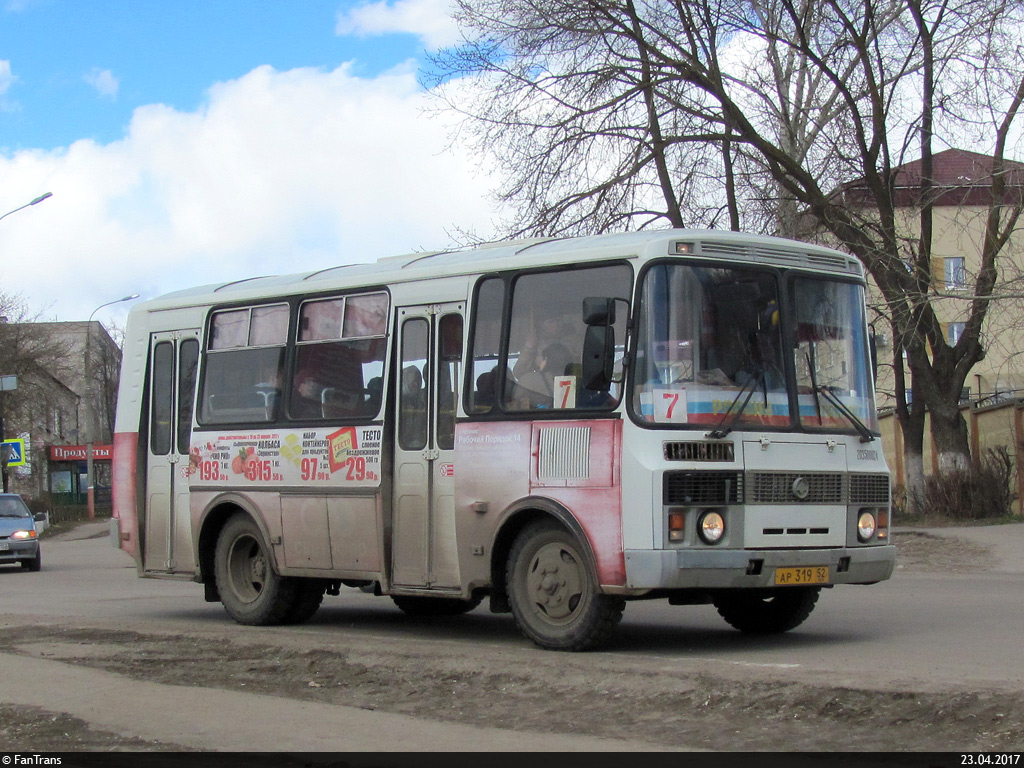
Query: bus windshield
column 831, row 355
column 710, row 351
column 708, row 337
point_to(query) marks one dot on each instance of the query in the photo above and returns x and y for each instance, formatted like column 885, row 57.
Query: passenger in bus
column 306, row 402
column 486, row 383
column 412, row 421
column 535, row 389
column 374, row 395
column 412, row 386
column 560, row 328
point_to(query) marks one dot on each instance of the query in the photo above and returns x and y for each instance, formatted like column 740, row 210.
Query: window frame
column 296, row 345
column 205, row 418
column 508, row 279
column 288, row 355
column 955, row 273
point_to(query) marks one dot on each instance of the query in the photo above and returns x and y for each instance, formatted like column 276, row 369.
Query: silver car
column 19, row 541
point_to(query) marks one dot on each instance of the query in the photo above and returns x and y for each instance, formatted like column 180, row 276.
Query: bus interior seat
column 240, row 406
column 337, row 403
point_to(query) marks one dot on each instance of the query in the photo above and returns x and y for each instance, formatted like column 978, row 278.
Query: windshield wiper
column 730, row 417
column 821, row 389
column 843, row 408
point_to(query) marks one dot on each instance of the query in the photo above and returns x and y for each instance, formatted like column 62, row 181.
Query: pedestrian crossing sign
column 13, row 453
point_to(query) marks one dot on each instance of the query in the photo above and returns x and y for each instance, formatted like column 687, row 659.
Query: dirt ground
column 634, row 700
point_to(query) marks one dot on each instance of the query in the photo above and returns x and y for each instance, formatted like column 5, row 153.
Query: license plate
column 4, row 546
column 813, row 574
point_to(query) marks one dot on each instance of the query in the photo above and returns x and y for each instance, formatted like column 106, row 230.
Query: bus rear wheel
column 250, row 590
column 553, row 592
column 767, row 611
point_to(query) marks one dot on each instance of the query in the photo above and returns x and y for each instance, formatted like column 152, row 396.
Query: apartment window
column 956, row 279
column 954, row 332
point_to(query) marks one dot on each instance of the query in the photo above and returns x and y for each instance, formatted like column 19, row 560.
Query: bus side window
column 188, row 365
column 449, row 367
column 244, row 360
column 485, row 340
column 412, row 395
column 339, row 358
column 546, row 333
column 162, row 398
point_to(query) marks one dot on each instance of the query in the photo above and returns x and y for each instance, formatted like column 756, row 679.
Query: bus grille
column 703, row 488
column 786, row 255
column 778, row 488
column 869, row 489
column 700, row 451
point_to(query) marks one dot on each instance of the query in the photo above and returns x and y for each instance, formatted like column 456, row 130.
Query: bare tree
column 791, row 115
column 29, row 349
column 107, row 372
column 40, row 361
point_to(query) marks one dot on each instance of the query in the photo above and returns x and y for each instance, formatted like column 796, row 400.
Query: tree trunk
column 952, row 443
column 911, row 423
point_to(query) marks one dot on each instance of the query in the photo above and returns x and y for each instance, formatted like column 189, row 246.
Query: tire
column 309, row 593
column 767, row 611
column 250, row 590
column 553, row 592
column 414, row 605
column 35, row 564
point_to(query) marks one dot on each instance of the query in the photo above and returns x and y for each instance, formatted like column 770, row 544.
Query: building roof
column 959, row 178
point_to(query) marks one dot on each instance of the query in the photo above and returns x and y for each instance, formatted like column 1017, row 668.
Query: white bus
column 556, row 425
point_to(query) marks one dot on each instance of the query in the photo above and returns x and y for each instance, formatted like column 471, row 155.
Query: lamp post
column 90, row 380
column 26, row 205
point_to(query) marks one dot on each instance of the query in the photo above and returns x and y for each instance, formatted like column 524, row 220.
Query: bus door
column 429, row 364
column 173, row 364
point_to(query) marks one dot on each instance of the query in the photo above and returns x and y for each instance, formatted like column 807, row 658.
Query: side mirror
column 598, row 343
column 599, row 310
column 598, row 357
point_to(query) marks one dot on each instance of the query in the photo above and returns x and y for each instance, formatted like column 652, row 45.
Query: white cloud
column 103, row 81
column 431, row 20
column 278, row 172
column 6, row 77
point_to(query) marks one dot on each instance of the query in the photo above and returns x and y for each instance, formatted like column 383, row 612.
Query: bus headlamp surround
column 711, row 527
column 865, row 525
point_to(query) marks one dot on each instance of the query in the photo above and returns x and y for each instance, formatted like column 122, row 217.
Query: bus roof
column 512, row 254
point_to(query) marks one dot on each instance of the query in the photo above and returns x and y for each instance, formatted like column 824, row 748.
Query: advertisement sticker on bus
column 348, row 457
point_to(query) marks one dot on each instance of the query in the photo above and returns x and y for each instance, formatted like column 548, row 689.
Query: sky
column 198, row 141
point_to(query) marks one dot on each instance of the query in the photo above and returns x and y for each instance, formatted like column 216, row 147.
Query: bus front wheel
column 553, row 593
column 767, row 612
column 250, row 590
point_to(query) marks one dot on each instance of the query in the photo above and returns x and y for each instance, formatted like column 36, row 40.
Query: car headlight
column 711, row 527
column 29, row 534
column 865, row 525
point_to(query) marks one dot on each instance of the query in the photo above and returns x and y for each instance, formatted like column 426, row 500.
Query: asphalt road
column 920, row 631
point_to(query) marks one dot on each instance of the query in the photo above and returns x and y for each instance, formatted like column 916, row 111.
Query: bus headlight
column 711, row 527
column 865, row 525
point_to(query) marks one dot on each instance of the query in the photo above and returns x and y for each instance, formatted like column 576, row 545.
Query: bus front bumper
column 752, row 568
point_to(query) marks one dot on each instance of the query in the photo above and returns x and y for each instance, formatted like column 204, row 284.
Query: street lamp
column 115, row 301
column 26, row 205
column 90, row 380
